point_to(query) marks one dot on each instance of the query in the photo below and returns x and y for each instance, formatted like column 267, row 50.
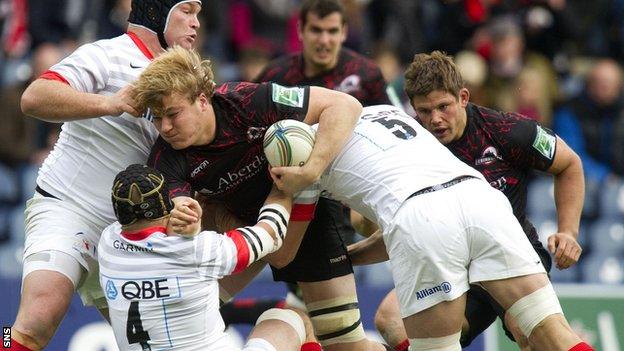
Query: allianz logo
column 444, row 287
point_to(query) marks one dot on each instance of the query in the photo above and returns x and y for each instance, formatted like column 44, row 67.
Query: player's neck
column 144, row 224
column 148, row 38
column 311, row 70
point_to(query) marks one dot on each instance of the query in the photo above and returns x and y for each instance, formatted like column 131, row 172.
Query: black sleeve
column 526, row 143
column 281, row 102
column 172, row 164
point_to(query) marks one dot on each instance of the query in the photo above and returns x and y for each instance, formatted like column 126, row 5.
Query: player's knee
column 289, row 317
column 445, row 343
column 532, row 310
column 337, row 320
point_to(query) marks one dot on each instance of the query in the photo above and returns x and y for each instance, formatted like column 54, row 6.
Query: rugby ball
column 288, row 143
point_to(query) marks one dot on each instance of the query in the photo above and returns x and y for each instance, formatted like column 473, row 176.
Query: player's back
column 162, row 291
column 90, row 152
column 389, row 157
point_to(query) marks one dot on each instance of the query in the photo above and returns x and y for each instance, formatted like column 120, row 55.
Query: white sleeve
column 216, row 254
column 86, row 69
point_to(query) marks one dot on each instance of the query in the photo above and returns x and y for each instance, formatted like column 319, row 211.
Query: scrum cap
column 154, row 15
column 140, row 192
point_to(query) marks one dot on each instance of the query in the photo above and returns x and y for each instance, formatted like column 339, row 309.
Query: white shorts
column 441, row 241
column 55, row 225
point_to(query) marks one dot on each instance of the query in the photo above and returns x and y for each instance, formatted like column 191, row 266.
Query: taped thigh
column 336, row 320
column 532, row 309
column 57, row 261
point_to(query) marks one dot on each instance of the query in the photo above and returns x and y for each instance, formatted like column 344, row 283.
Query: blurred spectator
column 593, row 122
column 25, row 140
column 474, row 70
column 251, row 61
column 264, row 22
column 392, row 71
column 508, row 59
column 56, row 21
column 112, row 18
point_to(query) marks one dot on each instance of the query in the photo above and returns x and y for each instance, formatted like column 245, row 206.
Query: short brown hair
column 321, row 8
column 431, row 72
column 177, row 70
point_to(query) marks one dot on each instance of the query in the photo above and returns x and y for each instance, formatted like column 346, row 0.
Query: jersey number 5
column 399, row 128
column 134, row 327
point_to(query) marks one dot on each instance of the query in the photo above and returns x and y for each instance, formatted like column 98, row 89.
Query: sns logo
column 111, row 290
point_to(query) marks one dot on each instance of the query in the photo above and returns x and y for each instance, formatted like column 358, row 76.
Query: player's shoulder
column 278, row 68
column 232, row 88
column 353, row 56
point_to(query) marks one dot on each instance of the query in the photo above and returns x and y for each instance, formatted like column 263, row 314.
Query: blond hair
column 432, row 72
column 177, row 70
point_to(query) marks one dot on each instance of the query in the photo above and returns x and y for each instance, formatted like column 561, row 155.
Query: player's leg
column 46, row 295
column 277, row 329
column 478, row 316
column 59, row 249
column 506, row 265
column 333, row 309
column 324, row 273
column 389, row 323
column 531, row 300
column 247, row 311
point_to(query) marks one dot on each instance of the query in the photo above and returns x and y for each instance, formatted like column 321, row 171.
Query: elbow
column 355, row 105
column 280, row 260
column 28, row 103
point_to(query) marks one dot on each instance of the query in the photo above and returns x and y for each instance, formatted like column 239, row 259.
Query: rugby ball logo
column 288, row 143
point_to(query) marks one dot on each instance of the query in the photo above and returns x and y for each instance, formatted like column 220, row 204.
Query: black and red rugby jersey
column 354, row 74
column 505, row 148
column 232, row 169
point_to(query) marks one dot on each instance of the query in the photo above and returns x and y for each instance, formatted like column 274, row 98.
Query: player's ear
column 464, row 97
column 203, row 101
column 345, row 32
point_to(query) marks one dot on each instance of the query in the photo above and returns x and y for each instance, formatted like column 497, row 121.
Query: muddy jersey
column 505, row 147
column 354, row 74
column 232, row 169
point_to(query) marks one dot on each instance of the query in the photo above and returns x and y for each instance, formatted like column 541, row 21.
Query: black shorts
column 323, row 253
column 482, row 309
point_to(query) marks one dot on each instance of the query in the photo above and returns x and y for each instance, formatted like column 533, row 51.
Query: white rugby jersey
column 162, row 291
column 389, row 157
column 89, row 153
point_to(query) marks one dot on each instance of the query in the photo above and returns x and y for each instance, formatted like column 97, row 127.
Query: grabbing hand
column 291, row 180
column 185, row 216
column 122, row 101
column 565, row 249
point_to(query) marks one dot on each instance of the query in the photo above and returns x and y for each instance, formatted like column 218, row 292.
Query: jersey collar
column 141, row 45
column 143, row 233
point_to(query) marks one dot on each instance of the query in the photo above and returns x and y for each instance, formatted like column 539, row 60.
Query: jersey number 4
column 134, row 327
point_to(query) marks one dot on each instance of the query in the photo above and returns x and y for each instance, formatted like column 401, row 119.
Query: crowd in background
column 556, row 61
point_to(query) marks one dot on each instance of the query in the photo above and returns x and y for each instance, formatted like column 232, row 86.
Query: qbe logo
column 6, row 337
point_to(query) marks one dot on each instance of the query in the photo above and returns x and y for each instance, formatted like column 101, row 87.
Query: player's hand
column 185, row 216
column 291, row 180
column 122, row 101
column 565, row 249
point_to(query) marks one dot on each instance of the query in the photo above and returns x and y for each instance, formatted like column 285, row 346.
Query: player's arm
column 68, row 91
column 336, row 114
column 567, row 170
column 369, row 250
column 267, row 235
column 56, row 101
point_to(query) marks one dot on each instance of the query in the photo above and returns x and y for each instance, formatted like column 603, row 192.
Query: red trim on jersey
column 403, row 346
column 242, row 250
column 302, row 212
column 16, row 346
column 143, row 233
column 51, row 75
column 139, row 43
column 582, row 346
